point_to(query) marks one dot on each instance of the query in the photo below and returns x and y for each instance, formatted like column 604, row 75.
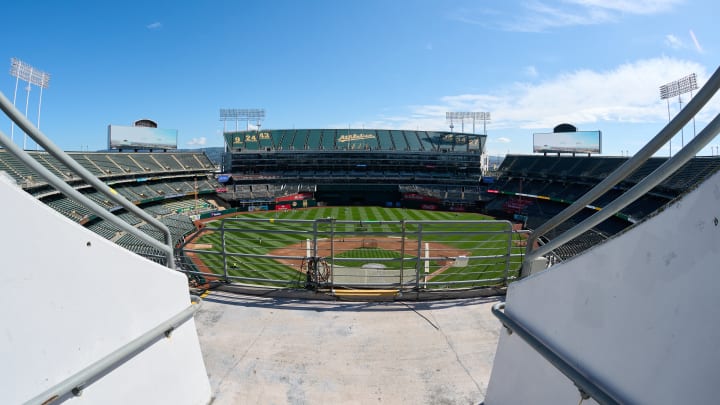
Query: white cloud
column 531, row 71
column 154, row 26
column 562, row 15
column 628, row 93
column 673, row 42
column 475, row 16
column 630, row 6
column 587, row 98
column 696, row 42
column 624, row 98
column 541, row 15
column 201, row 141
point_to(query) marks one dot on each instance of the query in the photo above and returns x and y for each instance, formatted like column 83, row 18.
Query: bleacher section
column 352, row 139
column 108, row 164
column 560, row 180
column 590, row 170
column 168, row 185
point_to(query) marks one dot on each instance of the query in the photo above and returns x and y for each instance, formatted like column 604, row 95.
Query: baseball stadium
column 341, row 220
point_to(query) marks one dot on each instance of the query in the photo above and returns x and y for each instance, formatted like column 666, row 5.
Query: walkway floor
column 261, row 350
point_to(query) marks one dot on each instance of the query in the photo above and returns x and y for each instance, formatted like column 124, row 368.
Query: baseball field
column 358, row 246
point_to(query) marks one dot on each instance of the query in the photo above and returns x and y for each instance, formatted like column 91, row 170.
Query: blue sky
column 596, row 64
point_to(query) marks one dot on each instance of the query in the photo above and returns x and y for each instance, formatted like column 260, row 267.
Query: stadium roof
column 354, row 139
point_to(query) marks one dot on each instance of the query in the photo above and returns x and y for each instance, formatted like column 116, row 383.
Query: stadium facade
column 356, row 166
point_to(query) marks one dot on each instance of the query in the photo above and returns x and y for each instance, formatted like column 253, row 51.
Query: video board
column 568, row 142
column 123, row 137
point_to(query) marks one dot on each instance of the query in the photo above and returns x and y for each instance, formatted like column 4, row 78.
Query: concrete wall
column 71, row 297
column 639, row 312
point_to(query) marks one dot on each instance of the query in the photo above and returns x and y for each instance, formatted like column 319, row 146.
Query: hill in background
column 215, row 153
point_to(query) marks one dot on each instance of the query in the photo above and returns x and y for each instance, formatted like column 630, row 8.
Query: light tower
column 677, row 88
column 241, row 114
column 452, row 117
column 23, row 71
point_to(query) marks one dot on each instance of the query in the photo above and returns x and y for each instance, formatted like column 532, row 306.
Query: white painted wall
column 71, row 297
column 640, row 312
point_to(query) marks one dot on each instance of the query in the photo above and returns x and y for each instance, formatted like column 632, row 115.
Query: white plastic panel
column 71, row 297
column 638, row 312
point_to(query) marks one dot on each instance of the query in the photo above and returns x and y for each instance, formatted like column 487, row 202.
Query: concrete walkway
column 261, row 350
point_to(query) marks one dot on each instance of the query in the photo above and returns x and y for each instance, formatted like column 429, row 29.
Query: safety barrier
column 335, row 254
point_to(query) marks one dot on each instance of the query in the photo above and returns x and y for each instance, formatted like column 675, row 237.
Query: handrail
column 16, row 116
column 66, row 189
column 75, row 384
column 586, row 386
column 683, row 117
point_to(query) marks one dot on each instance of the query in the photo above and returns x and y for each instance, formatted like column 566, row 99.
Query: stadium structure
column 533, row 189
column 356, row 166
column 615, row 277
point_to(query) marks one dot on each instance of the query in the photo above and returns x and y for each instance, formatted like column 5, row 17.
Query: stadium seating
column 105, row 229
column 337, row 157
column 166, row 162
column 12, row 166
column 177, row 178
column 567, row 178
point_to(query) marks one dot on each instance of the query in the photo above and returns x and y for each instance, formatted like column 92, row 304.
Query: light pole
column 677, row 88
column 453, row 116
column 238, row 114
column 23, row 71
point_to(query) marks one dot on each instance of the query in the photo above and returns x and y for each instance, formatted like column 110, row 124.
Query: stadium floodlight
column 677, row 88
column 242, row 114
column 25, row 72
column 453, row 116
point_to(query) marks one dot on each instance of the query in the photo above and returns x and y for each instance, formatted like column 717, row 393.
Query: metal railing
column 329, row 253
column 626, row 169
column 17, row 117
column 588, row 387
column 75, row 384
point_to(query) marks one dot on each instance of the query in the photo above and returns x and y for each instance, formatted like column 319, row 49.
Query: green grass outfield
column 259, row 238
